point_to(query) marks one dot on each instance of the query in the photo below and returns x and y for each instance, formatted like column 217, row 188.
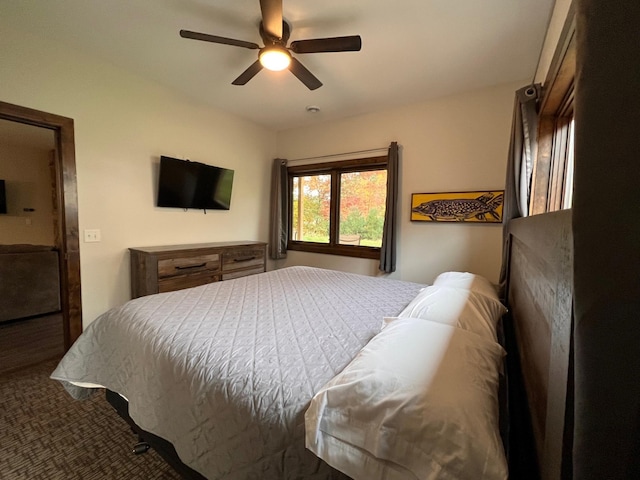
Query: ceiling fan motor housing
column 270, row 40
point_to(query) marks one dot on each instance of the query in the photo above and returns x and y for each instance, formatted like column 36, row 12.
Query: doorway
column 66, row 231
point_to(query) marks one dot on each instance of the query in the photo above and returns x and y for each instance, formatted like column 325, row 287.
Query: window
column 561, row 179
column 552, row 179
column 338, row 207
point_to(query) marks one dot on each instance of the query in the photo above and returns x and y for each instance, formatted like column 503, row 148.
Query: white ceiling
column 412, row 50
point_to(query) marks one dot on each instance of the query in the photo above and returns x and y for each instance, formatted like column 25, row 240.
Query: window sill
column 343, row 250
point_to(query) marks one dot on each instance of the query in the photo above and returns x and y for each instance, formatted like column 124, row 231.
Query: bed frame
column 539, row 295
column 148, row 440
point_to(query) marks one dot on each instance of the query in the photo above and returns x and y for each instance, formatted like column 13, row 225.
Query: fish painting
column 462, row 207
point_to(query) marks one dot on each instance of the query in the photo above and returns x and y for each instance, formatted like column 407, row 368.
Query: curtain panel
column 389, row 233
column 521, row 156
column 279, row 227
column 606, row 240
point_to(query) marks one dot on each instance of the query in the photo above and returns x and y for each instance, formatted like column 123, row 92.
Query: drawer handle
column 186, row 267
column 245, row 259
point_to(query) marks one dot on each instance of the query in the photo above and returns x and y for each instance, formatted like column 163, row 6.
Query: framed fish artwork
column 468, row 207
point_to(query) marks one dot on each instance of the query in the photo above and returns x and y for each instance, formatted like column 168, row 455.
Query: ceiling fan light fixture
column 275, row 58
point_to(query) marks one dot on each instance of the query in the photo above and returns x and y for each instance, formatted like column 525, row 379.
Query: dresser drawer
column 179, row 282
column 242, row 273
column 243, row 258
column 188, row 265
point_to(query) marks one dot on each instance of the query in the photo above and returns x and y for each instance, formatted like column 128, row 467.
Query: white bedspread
column 226, row 371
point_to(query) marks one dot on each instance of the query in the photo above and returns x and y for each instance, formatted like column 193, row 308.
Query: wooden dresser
column 173, row 267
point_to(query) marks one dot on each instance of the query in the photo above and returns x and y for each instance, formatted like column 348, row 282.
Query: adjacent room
column 394, row 253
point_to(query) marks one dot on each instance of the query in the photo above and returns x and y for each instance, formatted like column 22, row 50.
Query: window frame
column 335, row 169
column 553, row 167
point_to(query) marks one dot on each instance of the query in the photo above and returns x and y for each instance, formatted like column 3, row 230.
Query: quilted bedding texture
column 226, row 371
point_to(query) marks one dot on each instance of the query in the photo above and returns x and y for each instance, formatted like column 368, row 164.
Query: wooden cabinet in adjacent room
column 174, row 267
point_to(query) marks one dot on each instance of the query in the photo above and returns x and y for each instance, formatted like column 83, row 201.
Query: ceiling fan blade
column 248, row 74
column 215, row 39
column 351, row 43
column 304, row 75
column 272, row 17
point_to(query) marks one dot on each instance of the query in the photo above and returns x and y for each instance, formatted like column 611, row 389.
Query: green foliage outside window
column 362, row 206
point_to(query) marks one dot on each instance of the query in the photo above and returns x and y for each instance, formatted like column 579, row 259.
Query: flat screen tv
column 3, row 198
column 186, row 184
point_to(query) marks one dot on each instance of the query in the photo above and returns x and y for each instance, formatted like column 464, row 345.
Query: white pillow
column 457, row 307
column 468, row 281
column 418, row 401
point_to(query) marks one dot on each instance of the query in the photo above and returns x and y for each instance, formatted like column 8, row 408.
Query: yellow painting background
column 418, row 198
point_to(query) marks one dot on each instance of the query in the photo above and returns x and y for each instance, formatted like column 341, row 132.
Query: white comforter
column 226, row 371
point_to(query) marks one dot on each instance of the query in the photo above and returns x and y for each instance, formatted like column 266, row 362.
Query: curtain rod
column 319, row 157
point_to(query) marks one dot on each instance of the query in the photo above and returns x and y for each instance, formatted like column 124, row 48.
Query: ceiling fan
column 275, row 55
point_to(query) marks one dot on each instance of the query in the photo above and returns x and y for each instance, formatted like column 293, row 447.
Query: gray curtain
column 389, row 234
column 606, row 236
column 279, row 233
column 522, row 151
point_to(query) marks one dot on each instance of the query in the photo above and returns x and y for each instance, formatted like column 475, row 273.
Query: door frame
column 67, row 231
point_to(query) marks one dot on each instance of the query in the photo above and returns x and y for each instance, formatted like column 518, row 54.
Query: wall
column 458, row 143
column 24, row 165
column 123, row 123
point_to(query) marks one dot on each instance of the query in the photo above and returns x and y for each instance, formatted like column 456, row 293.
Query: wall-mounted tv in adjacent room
column 3, row 198
column 186, row 184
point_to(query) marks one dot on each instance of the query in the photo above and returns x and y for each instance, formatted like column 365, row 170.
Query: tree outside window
column 362, row 203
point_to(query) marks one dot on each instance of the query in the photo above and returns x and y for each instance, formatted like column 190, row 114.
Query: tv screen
column 3, row 198
column 186, row 184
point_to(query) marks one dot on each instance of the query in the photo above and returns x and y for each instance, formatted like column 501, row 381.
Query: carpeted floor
column 46, row 435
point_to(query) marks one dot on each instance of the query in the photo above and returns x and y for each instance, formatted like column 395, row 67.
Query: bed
column 307, row 373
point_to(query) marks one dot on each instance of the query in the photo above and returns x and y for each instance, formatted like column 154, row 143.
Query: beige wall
column 24, row 166
column 122, row 125
column 457, row 143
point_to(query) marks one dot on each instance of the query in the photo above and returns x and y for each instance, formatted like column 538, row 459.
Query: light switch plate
column 92, row 235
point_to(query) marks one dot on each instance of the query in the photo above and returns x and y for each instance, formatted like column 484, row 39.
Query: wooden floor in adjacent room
column 29, row 341
column 46, row 435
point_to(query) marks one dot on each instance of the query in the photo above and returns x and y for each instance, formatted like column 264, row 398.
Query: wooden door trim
column 67, row 236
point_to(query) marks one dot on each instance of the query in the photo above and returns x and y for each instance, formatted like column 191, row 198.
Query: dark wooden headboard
column 540, row 298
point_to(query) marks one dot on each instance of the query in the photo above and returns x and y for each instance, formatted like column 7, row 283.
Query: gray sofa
column 29, row 281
